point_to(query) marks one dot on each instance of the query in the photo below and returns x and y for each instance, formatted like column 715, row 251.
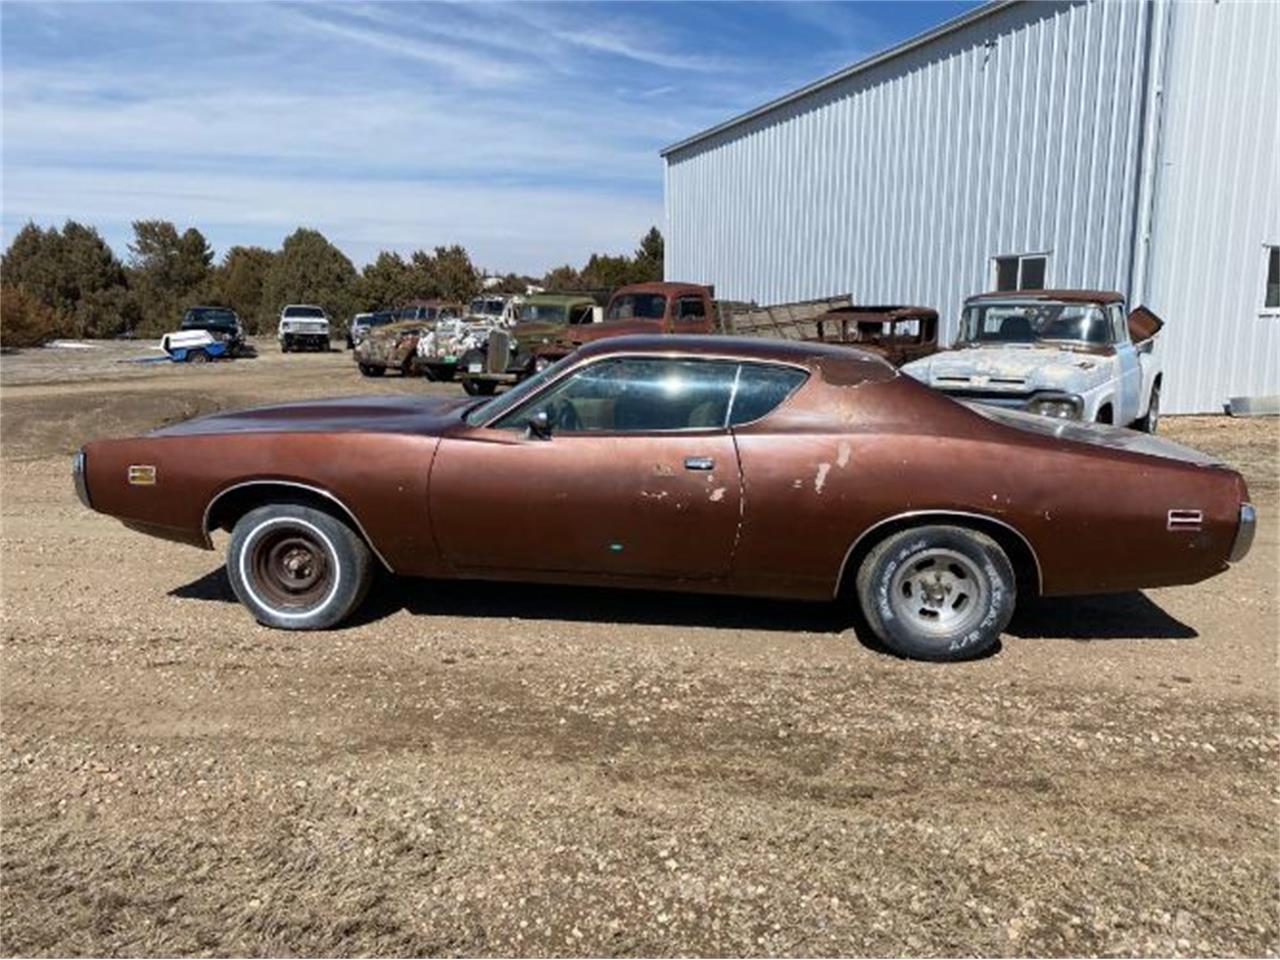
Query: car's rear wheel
column 197, row 356
column 937, row 592
column 479, row 388
column 369, row 370
column 297, row 568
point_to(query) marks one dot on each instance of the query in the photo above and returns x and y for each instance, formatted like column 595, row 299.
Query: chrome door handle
column 699, row 463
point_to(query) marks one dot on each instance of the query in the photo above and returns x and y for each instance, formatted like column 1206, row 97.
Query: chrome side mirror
column 540, row 426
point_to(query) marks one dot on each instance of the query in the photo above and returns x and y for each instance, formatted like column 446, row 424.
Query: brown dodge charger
column 713, row 464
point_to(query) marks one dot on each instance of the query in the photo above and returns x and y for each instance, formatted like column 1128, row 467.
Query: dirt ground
column 473, row 769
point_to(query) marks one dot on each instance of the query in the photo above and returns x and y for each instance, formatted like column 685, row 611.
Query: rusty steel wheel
column 291, row 567
column 297, row 567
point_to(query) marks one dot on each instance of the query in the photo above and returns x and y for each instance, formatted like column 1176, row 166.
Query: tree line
column 68, row 282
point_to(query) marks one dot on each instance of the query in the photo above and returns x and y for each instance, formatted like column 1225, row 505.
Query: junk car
column 711, row 464
column 303, row 326
column 1067, row 354
column 391, row 346
column 510, row 355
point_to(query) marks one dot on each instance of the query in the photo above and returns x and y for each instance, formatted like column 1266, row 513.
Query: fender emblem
column 142, row 474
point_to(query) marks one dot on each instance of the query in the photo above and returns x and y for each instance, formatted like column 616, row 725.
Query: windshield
column 506, row 401
column 487, row 308
column 304, row 312
column 209, row 315
column 628, row 306
column 546, row 312
column 1034, row 322
column 378, row 319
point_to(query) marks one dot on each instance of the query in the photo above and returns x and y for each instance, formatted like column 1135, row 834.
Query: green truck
column 511, row 354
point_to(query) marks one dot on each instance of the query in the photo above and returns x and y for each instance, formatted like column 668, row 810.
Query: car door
column 1129, row 368
column 638, row 477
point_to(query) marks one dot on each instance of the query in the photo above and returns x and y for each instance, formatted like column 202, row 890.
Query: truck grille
column 999, row 398
column 499, row 351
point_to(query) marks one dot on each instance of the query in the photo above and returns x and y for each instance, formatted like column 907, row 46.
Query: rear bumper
column 1244, row 533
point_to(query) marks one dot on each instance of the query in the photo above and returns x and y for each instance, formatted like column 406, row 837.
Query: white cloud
column 506, row 228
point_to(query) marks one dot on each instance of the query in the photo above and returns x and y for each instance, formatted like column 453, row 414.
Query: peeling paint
column 654, row 494
column 820, row 478
column 842, row 455
column 717, row 495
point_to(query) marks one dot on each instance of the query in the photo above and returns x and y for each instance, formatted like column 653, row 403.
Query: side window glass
column 1119, row 323
column 636, row 395
column 691, row 308
column 761, row 389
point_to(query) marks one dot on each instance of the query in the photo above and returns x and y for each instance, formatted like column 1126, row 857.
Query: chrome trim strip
column 1244, row 533
column 208, row 539
column 941, row 513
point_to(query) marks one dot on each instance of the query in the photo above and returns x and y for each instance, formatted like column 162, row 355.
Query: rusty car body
column 899, row 334
column 510, row 354
column 656, row 307
column 1067, row 354
column 713, row 464
column 392, row 346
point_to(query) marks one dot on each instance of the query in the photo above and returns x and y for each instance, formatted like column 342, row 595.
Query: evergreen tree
column 310, row 269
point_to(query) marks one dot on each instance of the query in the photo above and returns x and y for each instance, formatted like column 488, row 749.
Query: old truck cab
column 1068, row 354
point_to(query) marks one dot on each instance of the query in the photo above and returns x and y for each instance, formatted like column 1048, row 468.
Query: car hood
column 379, row 414
column 1034, row 368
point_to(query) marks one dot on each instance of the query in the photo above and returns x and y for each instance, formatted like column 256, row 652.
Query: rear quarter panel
column 835, row 461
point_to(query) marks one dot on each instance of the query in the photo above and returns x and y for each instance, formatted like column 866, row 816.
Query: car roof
column 669, row 287
column 796, row 352
column 1069, row 296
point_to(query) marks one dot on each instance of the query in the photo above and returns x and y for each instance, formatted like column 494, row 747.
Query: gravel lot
column 473, row 769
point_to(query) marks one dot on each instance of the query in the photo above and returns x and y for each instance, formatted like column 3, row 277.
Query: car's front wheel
column 937, row 592
column 297, row 568
column 369, row 370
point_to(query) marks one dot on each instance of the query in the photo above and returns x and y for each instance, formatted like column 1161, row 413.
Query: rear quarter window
column 762, row 389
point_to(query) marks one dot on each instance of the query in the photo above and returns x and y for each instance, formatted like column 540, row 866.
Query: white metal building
column 1131, row 146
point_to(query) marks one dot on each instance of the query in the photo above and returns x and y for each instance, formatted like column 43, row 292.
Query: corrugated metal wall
column 1021, row 132
column 1217, row 203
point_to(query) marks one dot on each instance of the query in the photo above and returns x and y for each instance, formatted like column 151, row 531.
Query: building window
column 1024, row 272
column 1271, row 295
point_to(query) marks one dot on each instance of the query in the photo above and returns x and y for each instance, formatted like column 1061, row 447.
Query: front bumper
column 1244, row 533
column 79, row 479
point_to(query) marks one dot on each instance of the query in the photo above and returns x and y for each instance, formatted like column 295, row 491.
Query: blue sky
column 528, row 132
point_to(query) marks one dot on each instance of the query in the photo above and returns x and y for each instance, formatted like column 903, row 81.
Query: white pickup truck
column 303, row 326
column 1070, row 354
